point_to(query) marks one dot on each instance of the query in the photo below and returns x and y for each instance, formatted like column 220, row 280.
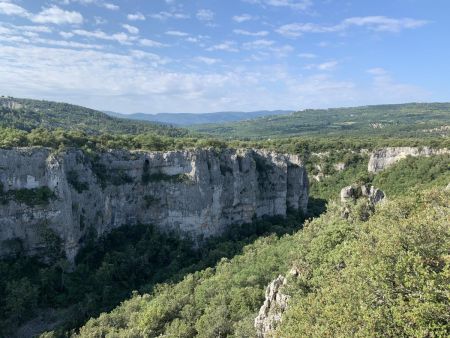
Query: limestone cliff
column 196, row 192
column 384, row 158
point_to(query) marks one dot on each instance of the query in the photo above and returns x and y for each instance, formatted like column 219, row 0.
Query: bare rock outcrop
column 270, row 313
column 352, row 193
column 384, row 158
column 195, row 192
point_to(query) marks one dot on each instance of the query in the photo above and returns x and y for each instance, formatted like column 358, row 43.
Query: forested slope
column 376, row 273
column 401, row 120
column 388, row 276
column 26, row 114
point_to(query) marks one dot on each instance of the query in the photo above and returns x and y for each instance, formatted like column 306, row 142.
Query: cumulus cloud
column 227, row 46
column 325, row 66
column 292, row 4
column 245, row 32
column 307, row 55
column 52, row 14
column 136, row 16
column 98, row 34
column 207, row 60
column 151, row 43
column 177, row 33
column 111, row 7
column 242, row 18
column 131, row 29
column 205, row 15
column 8, row 8
column 374, row 23
column 169, row 15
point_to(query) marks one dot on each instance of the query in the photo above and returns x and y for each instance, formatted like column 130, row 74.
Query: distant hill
column 405, row 120
column 187, row 119
column 26, row 114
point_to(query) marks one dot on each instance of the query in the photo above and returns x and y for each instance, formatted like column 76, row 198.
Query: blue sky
column 215, row 55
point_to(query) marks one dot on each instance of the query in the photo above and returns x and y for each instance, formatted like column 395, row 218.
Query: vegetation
column 108, row 269
column 412, row 174
column 25, row 114
column 384, row 277
column 401, row 120
column 74, row 181
column 31, row 197
column 378, row 272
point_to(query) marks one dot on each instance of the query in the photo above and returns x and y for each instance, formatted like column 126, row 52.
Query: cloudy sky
column 214, row 55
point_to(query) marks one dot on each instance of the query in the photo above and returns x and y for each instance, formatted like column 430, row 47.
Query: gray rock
column 384, row 158
column 198, row 193
column 270, row 313
column 376, row 195
column 352, row 193
column 339, row 166
column 348, row 194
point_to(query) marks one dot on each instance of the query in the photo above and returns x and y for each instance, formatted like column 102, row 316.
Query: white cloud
column 205, row 15
column 227, row 46
column 169, row 15
column 374, row 23
column 101, row 3
column 58, row 16
column 99, row 20
column 177, row 33
column 207, row 60
column 384, row 24
column 307, row 55
column 8, row 8
column 292, row 4
column 118, row 37
column 89, row 77
column 151, row 43
column 242, row 18
column 136, row 16
column 386, row 89
column 66, row 35
column 247, row 33
column 52, row 14
column 258, row 44
column 325, row 66
column 111, row 7
column 131, row 29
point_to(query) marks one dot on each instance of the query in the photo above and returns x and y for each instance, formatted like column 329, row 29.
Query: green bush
column 32, row 197
column 74, row 181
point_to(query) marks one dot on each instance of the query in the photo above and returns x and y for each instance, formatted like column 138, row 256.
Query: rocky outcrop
column 270, row 313
column 352, row 193
column 198, row 193
column 9, row 103
column 384, row 158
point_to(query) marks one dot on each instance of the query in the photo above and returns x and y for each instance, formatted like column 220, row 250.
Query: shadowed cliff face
column 48, row 198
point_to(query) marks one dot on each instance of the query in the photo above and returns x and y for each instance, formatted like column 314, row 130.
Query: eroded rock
column 270, row 313
column 384, row 158
column 194, row 192
column 352, row 193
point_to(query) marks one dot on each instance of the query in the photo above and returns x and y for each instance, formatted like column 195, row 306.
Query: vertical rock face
column 271, row 311
column 198, row 192
column 384, row 158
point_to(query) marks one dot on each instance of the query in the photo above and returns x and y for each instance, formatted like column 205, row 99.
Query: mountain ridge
column 187, row 119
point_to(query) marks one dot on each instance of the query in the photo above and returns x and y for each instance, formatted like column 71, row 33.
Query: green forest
column 402, row 120
column 381, row 271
